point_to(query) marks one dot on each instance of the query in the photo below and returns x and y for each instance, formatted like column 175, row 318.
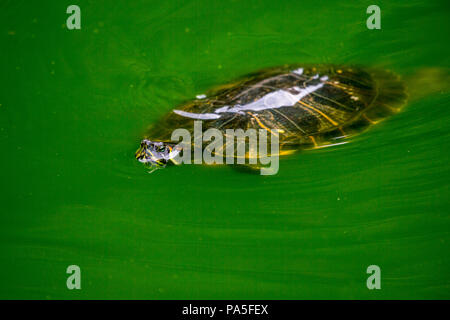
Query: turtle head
column 156, row 154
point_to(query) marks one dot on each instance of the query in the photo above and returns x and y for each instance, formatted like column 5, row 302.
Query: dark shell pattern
column 312, row 106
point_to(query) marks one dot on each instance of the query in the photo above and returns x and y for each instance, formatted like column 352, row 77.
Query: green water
column 75, row 104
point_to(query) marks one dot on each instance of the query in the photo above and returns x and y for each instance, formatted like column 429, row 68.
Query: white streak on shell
column 200, row 116
column 273, row 100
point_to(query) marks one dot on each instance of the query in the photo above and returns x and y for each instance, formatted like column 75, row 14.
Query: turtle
column 305, row 106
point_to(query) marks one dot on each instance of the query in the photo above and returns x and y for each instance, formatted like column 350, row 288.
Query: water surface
column 74, row 105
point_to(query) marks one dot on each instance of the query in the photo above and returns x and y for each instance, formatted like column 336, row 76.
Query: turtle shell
column 311, row 106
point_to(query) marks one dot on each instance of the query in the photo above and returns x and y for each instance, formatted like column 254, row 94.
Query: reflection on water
column 74, row 104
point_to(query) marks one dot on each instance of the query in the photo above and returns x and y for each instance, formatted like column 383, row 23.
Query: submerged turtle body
column 311, row 106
